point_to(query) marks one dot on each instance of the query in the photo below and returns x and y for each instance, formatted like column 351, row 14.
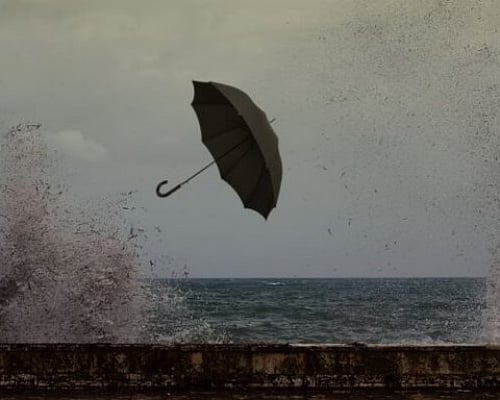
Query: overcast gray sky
column 386, row 111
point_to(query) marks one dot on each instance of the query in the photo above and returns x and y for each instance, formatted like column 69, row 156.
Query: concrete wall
column 205, row 367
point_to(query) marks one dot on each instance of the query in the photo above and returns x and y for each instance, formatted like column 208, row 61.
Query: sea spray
column 176, row 318
column 68, row 274
column 72, row 272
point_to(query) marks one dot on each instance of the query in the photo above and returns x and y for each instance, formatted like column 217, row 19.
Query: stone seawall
column 243, row 367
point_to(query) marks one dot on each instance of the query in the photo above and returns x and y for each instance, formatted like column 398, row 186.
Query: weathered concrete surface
column 208, row 367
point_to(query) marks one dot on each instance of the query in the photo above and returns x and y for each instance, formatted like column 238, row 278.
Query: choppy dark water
column 332, row 310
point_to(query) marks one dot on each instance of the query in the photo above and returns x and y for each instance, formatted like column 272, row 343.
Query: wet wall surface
column 246, row 368
column 262, row 396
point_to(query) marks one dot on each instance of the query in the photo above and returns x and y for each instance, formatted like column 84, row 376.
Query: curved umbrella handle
column 166, row 194
column 176, row 188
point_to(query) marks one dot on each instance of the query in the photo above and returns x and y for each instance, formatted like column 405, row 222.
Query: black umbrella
column 244, row 146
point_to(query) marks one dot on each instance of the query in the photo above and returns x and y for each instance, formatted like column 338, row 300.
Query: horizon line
column 319, row 277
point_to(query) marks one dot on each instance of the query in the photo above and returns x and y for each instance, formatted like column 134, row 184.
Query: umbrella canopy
column 244, row 146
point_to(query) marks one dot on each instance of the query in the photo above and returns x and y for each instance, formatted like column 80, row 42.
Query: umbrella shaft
column 198, row 172
column 159, row 186
column 217, row 159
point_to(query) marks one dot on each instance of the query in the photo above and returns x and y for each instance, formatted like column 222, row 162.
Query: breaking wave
column 69, row 272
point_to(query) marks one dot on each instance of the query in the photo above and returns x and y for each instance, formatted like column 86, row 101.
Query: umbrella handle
column 166, row 194
column 176, row 188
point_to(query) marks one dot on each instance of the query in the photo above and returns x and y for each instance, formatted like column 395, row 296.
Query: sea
column 371, row 311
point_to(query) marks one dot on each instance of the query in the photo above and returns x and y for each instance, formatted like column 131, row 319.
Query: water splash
column 170, row 299
column 68, row 273
column 72, row 272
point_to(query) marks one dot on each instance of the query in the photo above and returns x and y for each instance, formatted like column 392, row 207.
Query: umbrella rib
column 254, row 190
column 218, row 134
column 233, row 166
column 215, row 160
